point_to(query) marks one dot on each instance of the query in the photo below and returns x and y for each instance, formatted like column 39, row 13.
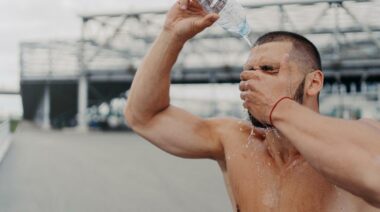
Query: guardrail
column 5, row 138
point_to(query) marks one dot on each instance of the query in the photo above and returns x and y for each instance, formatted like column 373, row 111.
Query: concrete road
column 66, row 171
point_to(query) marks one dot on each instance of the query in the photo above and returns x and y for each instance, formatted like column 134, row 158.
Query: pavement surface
column 68, row 171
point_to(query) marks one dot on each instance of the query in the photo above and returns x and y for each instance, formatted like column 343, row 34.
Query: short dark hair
column 300, row 43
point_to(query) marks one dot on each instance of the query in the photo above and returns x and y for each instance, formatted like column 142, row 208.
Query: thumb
column 207, row 20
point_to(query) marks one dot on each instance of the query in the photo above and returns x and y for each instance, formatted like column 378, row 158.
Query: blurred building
column 61, row 80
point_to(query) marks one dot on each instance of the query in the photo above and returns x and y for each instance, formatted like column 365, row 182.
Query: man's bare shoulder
column 230, row 126
column 227, row 122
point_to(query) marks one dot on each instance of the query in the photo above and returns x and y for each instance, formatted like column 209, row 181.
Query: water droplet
column 246, row 38
column 250, row 139
column 252, row 131
column 277, row 134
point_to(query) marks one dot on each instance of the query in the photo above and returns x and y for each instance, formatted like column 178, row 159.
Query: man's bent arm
column 148, row 109
column 346, row 152
column 149, row 92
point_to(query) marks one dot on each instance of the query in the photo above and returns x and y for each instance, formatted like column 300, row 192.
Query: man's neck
column 280, row 148
column 283, row 153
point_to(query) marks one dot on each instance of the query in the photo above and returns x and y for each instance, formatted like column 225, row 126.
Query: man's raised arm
column 148, row 109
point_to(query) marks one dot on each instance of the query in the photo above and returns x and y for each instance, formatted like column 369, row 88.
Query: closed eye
column 264, row 68
column 269, row 69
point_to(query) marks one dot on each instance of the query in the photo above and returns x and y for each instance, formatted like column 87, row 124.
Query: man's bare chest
column 257, row 183
column 267, row 188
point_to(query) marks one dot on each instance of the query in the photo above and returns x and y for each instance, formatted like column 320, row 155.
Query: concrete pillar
column 353, row 90
column 363, row 87
column 378, row 94
column 82, row 102
column 82, row 82
column 46, row 108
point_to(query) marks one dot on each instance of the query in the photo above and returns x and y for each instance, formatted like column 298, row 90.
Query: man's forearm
column 149, row 92
column 346, row 152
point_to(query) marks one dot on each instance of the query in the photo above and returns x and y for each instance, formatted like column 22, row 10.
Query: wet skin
column 258, row 178
column 268, row 174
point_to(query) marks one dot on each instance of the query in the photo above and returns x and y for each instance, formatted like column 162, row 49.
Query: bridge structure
column 60, row 79
column 9, row 92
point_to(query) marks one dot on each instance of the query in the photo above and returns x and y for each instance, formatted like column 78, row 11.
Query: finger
column 245, row 105
column 207, row 20
column 247, row 75
column 183, row 4
column 195, row 4
column 243, row 85
column 247, row 85
column 247, row 96
column 243, row 95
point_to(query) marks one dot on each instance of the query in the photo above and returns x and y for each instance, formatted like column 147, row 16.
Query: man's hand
column 187, row 18
column 260, row 90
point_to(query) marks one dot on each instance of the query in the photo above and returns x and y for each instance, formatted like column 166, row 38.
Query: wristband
column 274, row 107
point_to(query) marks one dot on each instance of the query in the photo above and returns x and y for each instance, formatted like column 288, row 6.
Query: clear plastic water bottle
column 232, row 16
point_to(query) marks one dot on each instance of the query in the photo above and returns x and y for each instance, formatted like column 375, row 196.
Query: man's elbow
column 374, row 200
column 134, row 119
column 377, row 202
column 130, row 117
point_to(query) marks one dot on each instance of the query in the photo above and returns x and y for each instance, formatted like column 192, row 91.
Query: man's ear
column 314, row 83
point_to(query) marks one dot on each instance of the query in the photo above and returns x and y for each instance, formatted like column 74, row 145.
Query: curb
column 4, row 146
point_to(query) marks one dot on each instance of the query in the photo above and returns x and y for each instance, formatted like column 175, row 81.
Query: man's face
column 266, row 58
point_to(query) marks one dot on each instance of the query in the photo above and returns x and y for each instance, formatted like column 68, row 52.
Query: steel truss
column 346, row 32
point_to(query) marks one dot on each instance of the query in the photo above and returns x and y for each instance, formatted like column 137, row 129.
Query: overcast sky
column 34, row 20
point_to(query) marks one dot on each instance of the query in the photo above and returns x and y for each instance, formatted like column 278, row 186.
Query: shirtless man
column 309, row 163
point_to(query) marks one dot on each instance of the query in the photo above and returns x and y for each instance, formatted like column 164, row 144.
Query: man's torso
column 256, row 182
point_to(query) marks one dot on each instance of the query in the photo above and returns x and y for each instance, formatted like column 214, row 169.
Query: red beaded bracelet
column 274, row 107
